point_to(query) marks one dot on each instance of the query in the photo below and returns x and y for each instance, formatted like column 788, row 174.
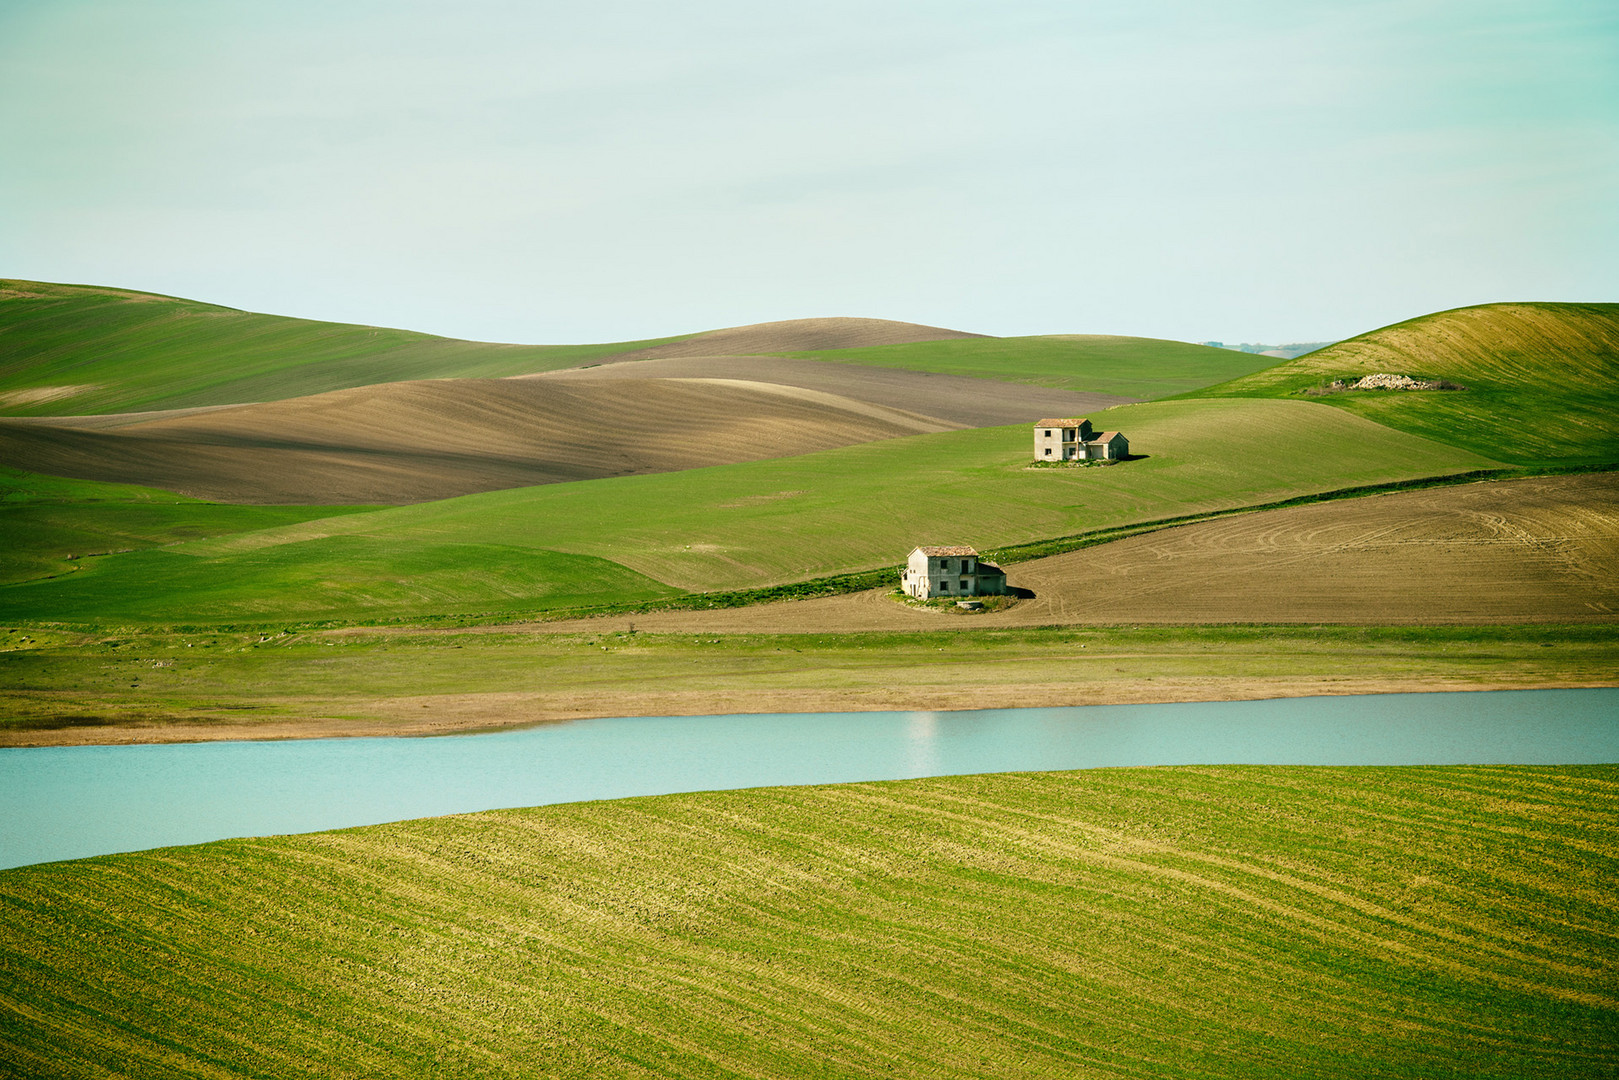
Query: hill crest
column 1506, row 343
column 798, row 335
column 1541, row 379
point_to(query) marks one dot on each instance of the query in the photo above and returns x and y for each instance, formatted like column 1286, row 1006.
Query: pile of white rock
column 1384, row 381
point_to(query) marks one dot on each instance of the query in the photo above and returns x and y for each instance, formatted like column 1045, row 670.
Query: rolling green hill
column 82, row 350
column 1542, row 380
column 1128, row 366
column 1191, row 922
column 759, row 523
column 47, row 523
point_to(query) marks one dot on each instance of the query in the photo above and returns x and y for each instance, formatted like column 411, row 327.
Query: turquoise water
column 70, row 802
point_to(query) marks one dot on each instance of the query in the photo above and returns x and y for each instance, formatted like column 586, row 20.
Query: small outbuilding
column 1074, row 440
column 950, row 571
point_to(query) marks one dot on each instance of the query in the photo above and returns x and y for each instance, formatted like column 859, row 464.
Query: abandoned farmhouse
column 950, row 571
column 1073, row 440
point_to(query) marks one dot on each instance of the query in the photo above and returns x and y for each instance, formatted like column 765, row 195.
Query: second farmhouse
column 1073, row 440
column 950, row 571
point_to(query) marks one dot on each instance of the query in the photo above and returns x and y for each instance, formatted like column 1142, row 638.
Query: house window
column 963, row 584
column 1048, row 451
column 944, row 586
column 1048, row 434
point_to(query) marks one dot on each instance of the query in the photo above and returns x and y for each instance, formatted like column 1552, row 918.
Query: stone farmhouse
column 1073, row 440
column 950, row 571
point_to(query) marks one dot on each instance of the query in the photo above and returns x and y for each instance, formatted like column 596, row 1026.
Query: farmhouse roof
column 950, row 549
column 1105, row 436
column 1060, row 423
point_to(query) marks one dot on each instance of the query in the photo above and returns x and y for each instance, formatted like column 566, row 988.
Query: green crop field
column 758, row 523
column 47, row 523
column 1542, row 380
column 1127, row 366
column 1187, row 922
column 79, row 350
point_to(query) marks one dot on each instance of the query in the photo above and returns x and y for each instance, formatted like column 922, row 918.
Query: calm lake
column 66, row 803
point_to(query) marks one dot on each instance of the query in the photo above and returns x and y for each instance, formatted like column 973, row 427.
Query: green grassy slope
column 737, row 526
column 118, row 350
column 46, row 523
column 1542, row 380
column 341, row 578
column 1127, row 366
column 1192, row 922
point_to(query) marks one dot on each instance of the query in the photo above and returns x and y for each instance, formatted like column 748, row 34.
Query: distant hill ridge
column 88, row 349
column 798, row 335
column 224, row 407
column 82, row 349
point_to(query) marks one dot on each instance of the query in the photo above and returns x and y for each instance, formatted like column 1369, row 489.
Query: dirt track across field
column 956, row 399
column 1542, row 550
column 453, row 714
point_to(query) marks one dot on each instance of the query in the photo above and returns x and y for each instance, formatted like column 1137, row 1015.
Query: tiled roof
column 1061, row 423
column 951, row 549
column 1104, row 436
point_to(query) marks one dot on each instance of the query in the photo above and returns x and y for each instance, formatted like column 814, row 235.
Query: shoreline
column 468, row 714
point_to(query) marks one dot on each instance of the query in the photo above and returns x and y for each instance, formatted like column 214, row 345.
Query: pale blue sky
column 549, row 172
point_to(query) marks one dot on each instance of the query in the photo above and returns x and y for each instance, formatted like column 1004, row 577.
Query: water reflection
column 921, row 745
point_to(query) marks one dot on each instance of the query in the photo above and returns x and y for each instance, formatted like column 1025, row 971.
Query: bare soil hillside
column 417, row 441
column 431, row 439
column 1542, row 550
column 955, row 399
column 797, row 335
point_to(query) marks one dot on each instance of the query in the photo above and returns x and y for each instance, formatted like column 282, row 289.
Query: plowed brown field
column 1520, row 551
column 958, row 399
column 414, row 441
column 1541, row 550
column 417, row 441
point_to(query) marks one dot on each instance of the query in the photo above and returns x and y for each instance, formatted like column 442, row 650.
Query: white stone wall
column 1061, row 443
column 1048, row 444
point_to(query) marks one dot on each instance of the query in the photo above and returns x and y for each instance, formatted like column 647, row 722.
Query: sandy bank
column 468, row 713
